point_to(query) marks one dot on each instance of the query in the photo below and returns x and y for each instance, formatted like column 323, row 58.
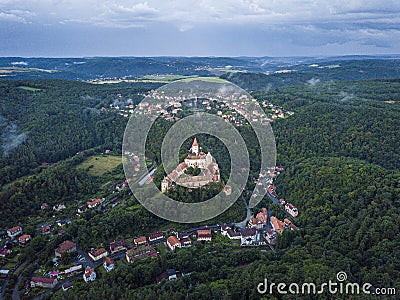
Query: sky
column 76, row 28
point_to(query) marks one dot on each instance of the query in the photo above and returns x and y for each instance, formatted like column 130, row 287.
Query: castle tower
column 195, row 147
column 164, row 185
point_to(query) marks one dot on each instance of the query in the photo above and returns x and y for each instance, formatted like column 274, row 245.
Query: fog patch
column 344, row 96
column 11, row 137
column 313, row 81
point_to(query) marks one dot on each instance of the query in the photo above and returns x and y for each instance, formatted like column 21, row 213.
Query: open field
column 100, row 164
column 28, row 88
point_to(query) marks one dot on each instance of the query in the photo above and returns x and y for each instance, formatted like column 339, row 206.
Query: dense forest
column 342, row 170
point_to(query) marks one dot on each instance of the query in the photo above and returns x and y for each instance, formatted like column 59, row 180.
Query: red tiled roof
column 139, row 240
column 156, row 235
column 14, row 229
column 43, row 279
column 65, row 246
column 23, row 238
column 97, row 252
column 173, row 240
column 108, row 261
column 195, row 142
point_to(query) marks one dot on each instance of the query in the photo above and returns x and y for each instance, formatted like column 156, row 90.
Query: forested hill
column 312, row 74
column 51, row 120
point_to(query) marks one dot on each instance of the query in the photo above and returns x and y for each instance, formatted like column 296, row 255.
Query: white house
column 90, row 274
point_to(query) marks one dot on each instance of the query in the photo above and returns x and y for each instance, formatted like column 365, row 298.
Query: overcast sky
column 198, row 28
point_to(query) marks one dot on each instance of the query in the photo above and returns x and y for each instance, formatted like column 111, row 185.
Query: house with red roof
column 277, row 224
column 89, row 275
column 44, row 282
column 94, row 203
column 15, row 231
column 108, row 264
column 97, row 254
column 117, row 246
column 66, row 246
column 204, row 235
column 24, row 238
column 173, row 242
column 140, row 241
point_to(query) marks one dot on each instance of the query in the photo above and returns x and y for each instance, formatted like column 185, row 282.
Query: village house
column 290, row 225
column 270, row 236
column 171, row 274
column 43, row 282
column 117, row 246
column 24, row 239
column 5, row 252
column 45, row 229
column 66, row 246
column 156, row 238
column 248, row 236
column 82, row 209
column 140, row 241
column 185, row 242
column 59, row 207
column 89, row 275
column 204, row 235
column 108, row 264
column 233, row 235
column 224, row 229
column 291, row 209
column 73, row 270
column 97, row 254
column 173, row 242
column 15, row 231
column 277, row 224
column 94, row 203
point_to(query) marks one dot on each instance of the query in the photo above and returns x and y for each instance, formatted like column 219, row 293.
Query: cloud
column 273, row 24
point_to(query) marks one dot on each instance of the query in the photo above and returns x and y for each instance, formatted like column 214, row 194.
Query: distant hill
column 305, row 68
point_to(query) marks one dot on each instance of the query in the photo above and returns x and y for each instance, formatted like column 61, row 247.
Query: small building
column 140, row 241
column 224, row 229
column 4, row 273
column 173, row 242
column 59, row 207
column 171, row 274
column 23, row 239
column 94, row 203
column 15, row 231
column 248, row 236
column 291, row 209
column 270, row 236
column 117, row 246
column 97, row 254
column 233, row 235
column 89, row 275
column 277, row 224
column 44, row 206
column 156, row 238
column 186, row 242
column 82, row 209
column 5, row 252
column 45, row 228
column 43, row 282
column 66, row 246
column 108, row 264
column 204, row 235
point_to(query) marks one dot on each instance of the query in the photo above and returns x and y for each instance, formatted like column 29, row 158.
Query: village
column 262, row 230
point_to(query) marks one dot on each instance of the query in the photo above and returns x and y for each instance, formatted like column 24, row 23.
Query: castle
column 209, row 170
